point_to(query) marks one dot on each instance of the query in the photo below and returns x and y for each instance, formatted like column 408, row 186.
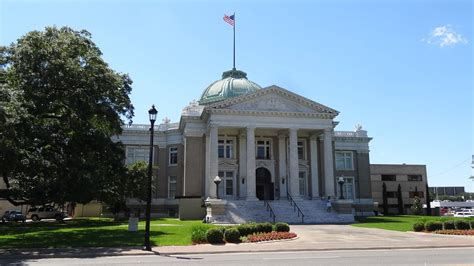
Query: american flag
column 230, row 19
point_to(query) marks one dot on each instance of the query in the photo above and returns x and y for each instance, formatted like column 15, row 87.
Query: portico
column 295, row 148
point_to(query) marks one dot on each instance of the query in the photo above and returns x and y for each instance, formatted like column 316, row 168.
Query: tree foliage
column 131, row 185
column 384, row 199
column 60, row 104
column 417, row 207
column 400, row 200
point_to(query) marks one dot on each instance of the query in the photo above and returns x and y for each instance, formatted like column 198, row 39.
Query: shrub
column 449, row 225
column 222, row 229
column 258, row 228
column 198, row 233
column 418, row 227
column 462, row 225
column 417, row 207
column 246, row 229
column 471, row 222
column 215, row 236
column 266, row 227
column 232, row 235
column 282, row 227
column 433, row 226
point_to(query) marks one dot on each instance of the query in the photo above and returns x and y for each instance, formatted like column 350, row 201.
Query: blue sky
column 402, row 69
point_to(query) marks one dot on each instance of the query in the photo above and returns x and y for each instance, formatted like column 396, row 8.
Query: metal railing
column 295, row 207
column 269, row 208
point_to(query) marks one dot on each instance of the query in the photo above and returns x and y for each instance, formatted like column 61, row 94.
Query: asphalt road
column 464, row 256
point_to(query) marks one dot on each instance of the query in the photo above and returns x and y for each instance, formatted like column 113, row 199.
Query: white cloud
column 444, row 36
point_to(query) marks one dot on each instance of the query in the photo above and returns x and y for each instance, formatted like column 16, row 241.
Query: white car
column 463, row 214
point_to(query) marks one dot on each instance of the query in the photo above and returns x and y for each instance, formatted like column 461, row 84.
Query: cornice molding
column 269, row 113
column 329, row 112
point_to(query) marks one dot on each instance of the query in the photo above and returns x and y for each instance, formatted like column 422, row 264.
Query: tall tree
column 428, row 200
column 55, row 136
column 400, row 199
column 384, row 199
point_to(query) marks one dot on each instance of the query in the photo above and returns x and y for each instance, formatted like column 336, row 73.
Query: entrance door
column 264, row 184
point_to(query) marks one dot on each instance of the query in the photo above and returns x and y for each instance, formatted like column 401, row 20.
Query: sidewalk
column 310, row 238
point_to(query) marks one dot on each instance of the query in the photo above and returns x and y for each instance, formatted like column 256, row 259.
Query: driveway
column 334, row 237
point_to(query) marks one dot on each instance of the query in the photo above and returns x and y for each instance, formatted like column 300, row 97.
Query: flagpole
column 234, row 42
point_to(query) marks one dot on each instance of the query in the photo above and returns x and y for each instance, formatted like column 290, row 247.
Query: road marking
column 293, row 258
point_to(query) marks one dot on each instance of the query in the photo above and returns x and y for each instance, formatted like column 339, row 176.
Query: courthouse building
column 267, row 145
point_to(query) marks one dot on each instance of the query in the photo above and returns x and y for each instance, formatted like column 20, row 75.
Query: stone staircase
column 240, row 211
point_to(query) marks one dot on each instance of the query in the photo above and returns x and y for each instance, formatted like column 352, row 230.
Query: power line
column 452, row 168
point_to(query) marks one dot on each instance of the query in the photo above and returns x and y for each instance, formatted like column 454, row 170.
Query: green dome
column 233, row 83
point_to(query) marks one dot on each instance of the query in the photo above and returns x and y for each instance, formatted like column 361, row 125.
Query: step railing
column 269, row 209
column 295, row 207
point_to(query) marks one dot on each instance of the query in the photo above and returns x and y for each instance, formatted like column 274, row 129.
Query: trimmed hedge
column 232, row 235
column 418, row 227
column 246, row 229
column 265, row 228
column 282, row 227
column 433, row 226
column 199, row 233
column 462, row 225
column 449, row 225
column 215, row 236
column 471, row 222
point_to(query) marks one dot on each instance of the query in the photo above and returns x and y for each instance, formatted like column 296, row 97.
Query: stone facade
column 411, row 178
column 264, row 145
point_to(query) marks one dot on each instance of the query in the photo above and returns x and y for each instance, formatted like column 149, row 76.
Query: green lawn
column 95, row 232
column 400, row 222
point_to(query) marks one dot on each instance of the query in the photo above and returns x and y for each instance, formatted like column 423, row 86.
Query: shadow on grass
column 87, row 237
column 380, row 219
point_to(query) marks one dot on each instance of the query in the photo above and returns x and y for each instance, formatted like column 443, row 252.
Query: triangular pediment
column 274, row 99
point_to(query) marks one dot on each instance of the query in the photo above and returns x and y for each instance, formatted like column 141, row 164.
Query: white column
column 251, row 194
column 328, row 164
column 213, row 160
column 207, row 174
column 282, row 164
column 313, row 146
column 294, row 168
column 243, row 165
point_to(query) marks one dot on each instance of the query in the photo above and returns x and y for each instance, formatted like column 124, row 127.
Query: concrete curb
column 65, row 254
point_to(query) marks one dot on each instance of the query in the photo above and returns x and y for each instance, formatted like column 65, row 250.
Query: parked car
column 463, row 214
column 46, row 212
column 13, row 216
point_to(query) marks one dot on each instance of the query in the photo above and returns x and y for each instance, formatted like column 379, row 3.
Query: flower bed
column 456, row 232
column 269, row 236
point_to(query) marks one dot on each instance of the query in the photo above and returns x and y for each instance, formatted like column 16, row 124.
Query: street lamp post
column 217, row 180
column 341, row 181
column 152, row 115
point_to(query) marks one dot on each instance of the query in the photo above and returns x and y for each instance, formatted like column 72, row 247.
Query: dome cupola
column 233, row 83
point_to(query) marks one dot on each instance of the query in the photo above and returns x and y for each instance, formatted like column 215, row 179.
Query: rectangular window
column 302, row 183
column 135, row 154
column 348, row 188
column 344, row 161
column 414, row 178
column 227, row 182
column 263, row 149
column 220, row 148
column 173, row 155
column 418, row 194
column 392, row 194
column 389, row 178
column 225, row 148
column 301, row 150
column 172, row 187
